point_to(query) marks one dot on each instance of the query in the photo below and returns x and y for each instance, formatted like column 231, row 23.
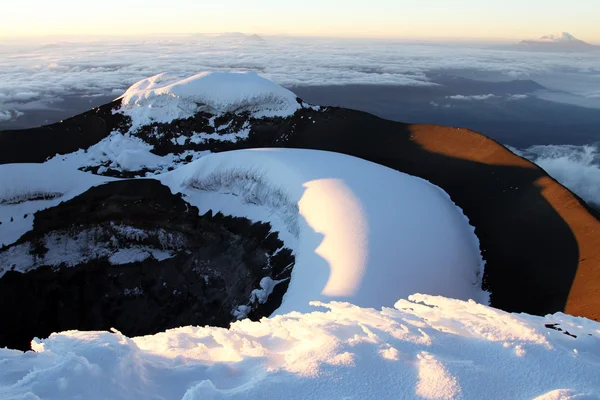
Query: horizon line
column 505, row 39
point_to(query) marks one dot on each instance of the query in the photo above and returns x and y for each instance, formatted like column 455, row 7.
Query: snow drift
column 361, row 232
column 425, row 347
column 165, row 97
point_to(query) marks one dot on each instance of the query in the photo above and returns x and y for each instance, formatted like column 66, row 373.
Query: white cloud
column 576, row 167
column 5, row 116
column 473, row 97
column 23, row 96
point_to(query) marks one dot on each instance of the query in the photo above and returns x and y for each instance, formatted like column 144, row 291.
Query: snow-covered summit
column 562, row 37
column 557, row 39
column 166, row 97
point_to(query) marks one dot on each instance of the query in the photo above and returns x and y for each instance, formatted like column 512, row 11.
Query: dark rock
column 79, row 132
column 556, row 328
column 217, row 261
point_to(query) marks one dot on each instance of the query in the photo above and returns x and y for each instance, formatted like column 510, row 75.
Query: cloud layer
column 576, row 167
column 472, row 97
column 37, row 76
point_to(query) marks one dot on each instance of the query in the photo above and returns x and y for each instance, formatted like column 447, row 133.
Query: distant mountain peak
column 239, row 36
column 561, row 38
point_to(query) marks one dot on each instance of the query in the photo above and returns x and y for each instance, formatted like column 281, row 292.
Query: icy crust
column 360, row 232
column 425, row 347
column 166, row 97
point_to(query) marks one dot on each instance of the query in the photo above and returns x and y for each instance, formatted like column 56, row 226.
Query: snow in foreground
column 426, row 347
column 360, row 232
column 165, row 97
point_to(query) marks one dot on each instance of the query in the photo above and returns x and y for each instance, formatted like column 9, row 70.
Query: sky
column 427, row 19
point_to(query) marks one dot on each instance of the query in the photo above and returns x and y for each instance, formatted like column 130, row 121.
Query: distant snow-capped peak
column 563, row 38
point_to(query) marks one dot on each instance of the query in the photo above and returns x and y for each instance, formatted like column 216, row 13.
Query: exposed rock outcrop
column 132, row 256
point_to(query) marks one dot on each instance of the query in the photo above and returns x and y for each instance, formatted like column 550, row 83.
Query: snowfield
column 165, row 97
column 425, row 347
column 361, row 232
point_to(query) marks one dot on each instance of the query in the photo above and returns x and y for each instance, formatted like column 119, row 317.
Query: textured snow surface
column 425, row 348
column 360, row 232
column 165, row 97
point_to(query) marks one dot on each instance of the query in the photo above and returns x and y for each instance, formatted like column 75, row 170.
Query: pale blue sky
column 434, row 19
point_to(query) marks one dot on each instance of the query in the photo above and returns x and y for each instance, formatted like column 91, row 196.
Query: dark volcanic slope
column 79, row 132
column 540, row 241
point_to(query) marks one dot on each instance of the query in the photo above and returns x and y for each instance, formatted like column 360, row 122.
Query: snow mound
column 360, row 232
column 426, row 347
column 166, row 97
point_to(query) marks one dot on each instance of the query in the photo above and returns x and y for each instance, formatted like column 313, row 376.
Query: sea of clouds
column 38, row 75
